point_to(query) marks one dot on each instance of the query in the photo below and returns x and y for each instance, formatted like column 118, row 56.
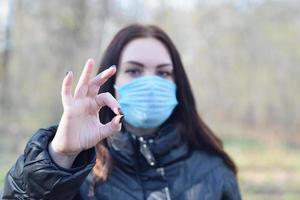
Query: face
column 144, row 57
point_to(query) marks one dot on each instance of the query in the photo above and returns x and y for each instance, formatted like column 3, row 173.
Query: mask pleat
column 147, row 101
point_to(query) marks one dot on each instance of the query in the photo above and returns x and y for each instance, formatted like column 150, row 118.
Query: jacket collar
column 132, row 152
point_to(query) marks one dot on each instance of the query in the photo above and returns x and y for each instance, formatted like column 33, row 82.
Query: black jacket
column 163, row 167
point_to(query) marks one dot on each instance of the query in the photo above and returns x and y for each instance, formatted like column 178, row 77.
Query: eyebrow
column 142, row 65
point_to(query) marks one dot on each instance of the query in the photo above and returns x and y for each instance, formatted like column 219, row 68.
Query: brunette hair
column 198, row 134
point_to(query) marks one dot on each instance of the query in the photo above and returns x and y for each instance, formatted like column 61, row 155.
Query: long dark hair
column 197, row 133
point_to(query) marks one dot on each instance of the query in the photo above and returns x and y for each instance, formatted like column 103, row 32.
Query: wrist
column 60, row 158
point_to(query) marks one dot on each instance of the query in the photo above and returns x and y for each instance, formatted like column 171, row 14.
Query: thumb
column 110, row 128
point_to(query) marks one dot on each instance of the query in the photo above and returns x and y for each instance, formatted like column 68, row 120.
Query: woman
column 160, row 150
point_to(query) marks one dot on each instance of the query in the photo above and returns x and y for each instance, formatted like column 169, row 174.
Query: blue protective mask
column 147, row 102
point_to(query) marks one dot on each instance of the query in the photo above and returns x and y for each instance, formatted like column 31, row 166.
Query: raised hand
column 80, row 128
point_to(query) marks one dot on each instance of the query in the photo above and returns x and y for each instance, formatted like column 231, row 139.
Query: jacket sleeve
column 36, row 176
column 231, row 189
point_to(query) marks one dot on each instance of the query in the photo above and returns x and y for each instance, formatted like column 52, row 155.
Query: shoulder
column 205, row 173
column 203, row 166
column 211, row 164
column 200, row 167
column 228, row 181
column 218, row 175
column 203, row 162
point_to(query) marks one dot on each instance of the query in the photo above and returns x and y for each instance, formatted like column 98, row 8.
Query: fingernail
column 118, row 119
column 116, row 110
column 121, row 119
column 120, row 111
column 113, row 66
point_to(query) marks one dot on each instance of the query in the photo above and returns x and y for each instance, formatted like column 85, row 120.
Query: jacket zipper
column 145, row 151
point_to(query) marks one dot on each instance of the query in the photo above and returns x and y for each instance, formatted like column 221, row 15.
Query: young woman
column 161, row 149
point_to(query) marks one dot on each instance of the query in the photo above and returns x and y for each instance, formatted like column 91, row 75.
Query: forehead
column 145, row 50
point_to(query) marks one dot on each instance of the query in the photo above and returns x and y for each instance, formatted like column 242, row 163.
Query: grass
column 269, row 164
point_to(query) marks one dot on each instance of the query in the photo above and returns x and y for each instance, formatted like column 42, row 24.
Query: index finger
column 100, row 79
column 84, row 79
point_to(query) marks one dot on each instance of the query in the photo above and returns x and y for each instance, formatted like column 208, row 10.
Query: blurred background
column 242, row 58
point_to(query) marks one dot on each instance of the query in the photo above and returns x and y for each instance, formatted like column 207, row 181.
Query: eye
column 134, row 72
column 164, row 74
